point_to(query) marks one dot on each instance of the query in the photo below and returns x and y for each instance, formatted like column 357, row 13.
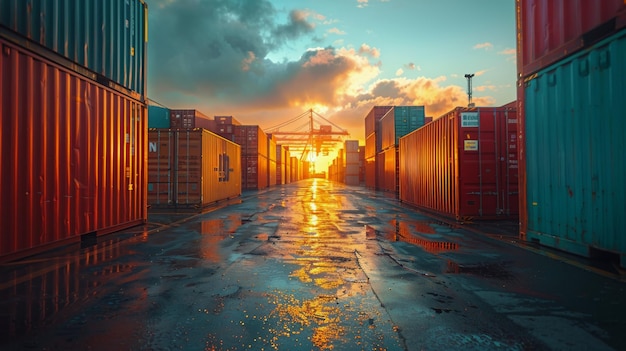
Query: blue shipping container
column 108, row 37
column 158, row 117
column 398, row 122
column 574, row 128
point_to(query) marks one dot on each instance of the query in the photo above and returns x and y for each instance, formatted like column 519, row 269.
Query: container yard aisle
column 313, row 265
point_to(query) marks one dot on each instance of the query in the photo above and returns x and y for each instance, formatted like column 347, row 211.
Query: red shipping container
column 370, row 172
column 190, row 119
column 373, row 117
column 463, row 164
column 73, row 155
column 388, row 170
column 252, row 139
column 549, row 30
column 254, row 172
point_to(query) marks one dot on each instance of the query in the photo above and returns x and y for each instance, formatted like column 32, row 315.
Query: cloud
column 399, row 72
column 214, row 48
column 336, row 31
column 482, row 88
column 362, row 3
column 481, row 72
column 213, row 55
column 486, row 46
column 508, row 52
column 411, row 66
column 368, row 50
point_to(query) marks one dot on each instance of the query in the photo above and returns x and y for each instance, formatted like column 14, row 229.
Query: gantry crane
column 317, row 134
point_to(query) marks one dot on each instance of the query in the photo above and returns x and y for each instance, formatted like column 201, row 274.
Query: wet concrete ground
column 310, row 266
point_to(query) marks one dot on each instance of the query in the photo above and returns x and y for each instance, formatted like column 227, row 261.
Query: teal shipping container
column 574, row 190
column 108, row 37
column 158, row 117
column 398, row 122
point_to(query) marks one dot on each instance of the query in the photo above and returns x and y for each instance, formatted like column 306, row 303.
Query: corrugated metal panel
column 107, row 37
column 463, row 164
column 575, row 165
column 373, row 117
column 226, row 120
column 191, row 168
column 72, row 152
column 549, row 30
column 252, row 139
column 190, row 119
column 254, row 172
column 158, row 117
column 370, row 146
column 370, row 172
column 388, row 170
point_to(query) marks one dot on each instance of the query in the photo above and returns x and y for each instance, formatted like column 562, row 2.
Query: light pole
column 469, row 76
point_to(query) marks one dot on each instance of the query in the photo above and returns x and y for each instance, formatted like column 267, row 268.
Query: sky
column 266, row 62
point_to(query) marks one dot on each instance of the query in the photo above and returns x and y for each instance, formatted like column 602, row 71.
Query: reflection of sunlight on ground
column 326, row 261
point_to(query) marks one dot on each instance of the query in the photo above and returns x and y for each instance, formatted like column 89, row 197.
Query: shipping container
column 463, row 165
column 73, row 155
column 158, row 117
column 108, row 38
column 573, row 194
column 190, row 119
column 191, row 168
column 272, row 166
column 295, row 169
column 373, row 117
column 361, row 164
column 370, row 172
column 550, row 30
column 226, row 120
column 388, row 171
column 371, row 148
column 252, row 139
column 254, row 172
column 398, row 122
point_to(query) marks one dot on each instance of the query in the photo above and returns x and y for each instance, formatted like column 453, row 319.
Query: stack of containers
column 372, row 143
column 294, row 169
column 463, row 165
column 288, row 178
column 223, row 125
column 74, row 121
column 280, row 165
column 190, row 119
column 271, row 160
column 191, row 168
column 254, row 156
column 572, row 166
column 396, row 123
column 351, row 158
column 361, row 164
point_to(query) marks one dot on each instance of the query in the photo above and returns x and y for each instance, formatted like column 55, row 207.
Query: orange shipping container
column 72, row 152
column 191, row 168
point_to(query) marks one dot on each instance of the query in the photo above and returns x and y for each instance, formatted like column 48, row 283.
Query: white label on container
column 471, row 145
column 469, row 119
